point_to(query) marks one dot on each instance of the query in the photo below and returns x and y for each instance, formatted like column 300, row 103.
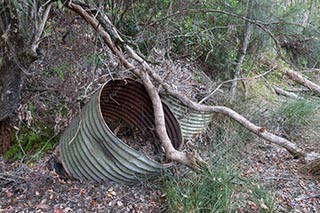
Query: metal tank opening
column 127, row 110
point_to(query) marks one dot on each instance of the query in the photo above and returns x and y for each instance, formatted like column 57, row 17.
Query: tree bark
column 17, row 52
column 243, row 49
column 12, row 60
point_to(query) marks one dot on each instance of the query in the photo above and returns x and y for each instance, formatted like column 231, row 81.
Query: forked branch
column 260, row 131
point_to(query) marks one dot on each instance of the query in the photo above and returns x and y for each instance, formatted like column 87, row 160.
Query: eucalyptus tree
column 21, row 26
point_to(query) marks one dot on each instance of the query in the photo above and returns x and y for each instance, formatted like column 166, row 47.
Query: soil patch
column 39, row 189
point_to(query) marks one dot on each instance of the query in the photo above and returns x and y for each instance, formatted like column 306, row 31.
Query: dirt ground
column 295, row 191
column 40, row 189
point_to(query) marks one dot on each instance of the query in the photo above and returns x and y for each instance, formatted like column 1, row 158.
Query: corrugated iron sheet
column 91, row 151
column 192, row 122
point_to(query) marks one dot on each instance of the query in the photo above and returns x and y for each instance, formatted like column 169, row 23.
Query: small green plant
column 95, row 60
column 219, row 188
column 59, row 70
column 30, row 144
column 265, row 200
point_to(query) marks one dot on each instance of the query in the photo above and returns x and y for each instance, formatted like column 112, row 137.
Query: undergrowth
column 30, row 144
column 295, row 114
column 220, row 187
column 298, row 120
column 217, row 189
column 209, row 191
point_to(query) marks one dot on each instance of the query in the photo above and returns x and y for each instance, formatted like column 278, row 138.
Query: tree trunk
column 18, row 47
column 17, row 52
column 14, row 59
column 243, row 49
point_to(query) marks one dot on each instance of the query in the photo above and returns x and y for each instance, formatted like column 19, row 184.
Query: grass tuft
column 296, row 113
column 209, row 191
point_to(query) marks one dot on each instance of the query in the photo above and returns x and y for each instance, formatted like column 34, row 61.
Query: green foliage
column 30, row 143
column 296, row 114
column 265, row 200
column 296, row 27
column 209, row 191
column 22, row 10
column 217, row 189
column 202, row 31
column 60, row 4
column 60, row 70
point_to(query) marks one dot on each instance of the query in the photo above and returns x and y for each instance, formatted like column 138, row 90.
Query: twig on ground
column 285, row 93
column 304, row 197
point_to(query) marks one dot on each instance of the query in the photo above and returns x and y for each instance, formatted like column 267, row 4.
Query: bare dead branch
column 297, row 77
column 259, row 24
column 231, row 80
column 285, row 93
column 39, row 28
column 260, row 131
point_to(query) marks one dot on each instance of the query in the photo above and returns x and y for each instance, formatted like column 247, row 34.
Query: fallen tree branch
column 190, row 159
column 285, row 93
column 297, row 77
column 292, row 148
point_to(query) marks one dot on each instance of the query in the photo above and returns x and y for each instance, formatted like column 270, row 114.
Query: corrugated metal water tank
column 192, row 122
column 91, row 151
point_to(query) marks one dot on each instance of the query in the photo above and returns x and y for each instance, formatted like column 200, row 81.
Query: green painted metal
column 91, row 151
column 192, row 122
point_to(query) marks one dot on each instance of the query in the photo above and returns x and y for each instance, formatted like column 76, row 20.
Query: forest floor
column 40, row 189
column 295, row 191
column 65, row 74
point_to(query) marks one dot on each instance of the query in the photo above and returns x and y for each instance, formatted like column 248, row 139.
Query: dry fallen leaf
column 263, row 205
column 57, row 211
